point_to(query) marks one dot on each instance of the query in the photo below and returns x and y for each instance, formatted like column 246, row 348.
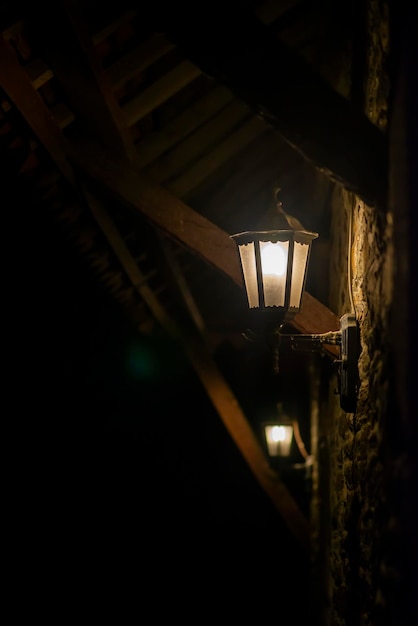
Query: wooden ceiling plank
column 241, row 52
column 157, row 142
column 159, row 92
column 199, row 142
column 138, row 60
column 177, row 220
column 18, row 87
column 213, row 160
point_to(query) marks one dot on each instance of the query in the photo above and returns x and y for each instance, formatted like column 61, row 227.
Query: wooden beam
column 243, row 435
column 180, row 222
column 239, row 51
column 213, row 381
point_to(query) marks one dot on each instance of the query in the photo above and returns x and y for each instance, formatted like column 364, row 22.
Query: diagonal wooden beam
column 181, row 223
column 213, row 381
column 243, row 435
column 239, row 51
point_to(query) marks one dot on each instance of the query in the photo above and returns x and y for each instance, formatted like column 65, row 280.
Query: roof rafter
column 239, row 51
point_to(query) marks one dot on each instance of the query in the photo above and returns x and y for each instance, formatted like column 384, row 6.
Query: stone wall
column 362, row 467
column 359, row 514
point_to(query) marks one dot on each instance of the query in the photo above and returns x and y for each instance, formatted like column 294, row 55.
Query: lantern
column 274, row 264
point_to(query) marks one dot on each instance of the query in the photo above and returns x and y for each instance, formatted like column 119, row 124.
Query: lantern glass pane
column 300, row 258
column 279, row 439
column 247, row 254
column 274, row 258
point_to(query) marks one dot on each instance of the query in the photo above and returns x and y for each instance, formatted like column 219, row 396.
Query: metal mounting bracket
column 347, row 338
column 349, row 376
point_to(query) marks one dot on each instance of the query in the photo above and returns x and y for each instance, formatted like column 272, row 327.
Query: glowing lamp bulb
column 278, row 433
column 273, row 260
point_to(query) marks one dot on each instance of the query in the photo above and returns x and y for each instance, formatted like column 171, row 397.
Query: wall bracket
column 347, row 338
column 349, row 376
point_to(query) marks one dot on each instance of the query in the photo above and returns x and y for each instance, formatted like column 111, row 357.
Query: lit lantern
column 280, row 434
column 274, row 264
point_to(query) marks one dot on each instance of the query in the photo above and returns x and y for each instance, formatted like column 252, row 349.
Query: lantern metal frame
column 250, row 247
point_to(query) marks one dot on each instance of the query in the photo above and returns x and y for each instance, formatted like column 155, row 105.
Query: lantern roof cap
column 276, row 218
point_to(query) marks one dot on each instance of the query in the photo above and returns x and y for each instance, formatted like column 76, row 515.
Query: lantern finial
column 276, row 218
